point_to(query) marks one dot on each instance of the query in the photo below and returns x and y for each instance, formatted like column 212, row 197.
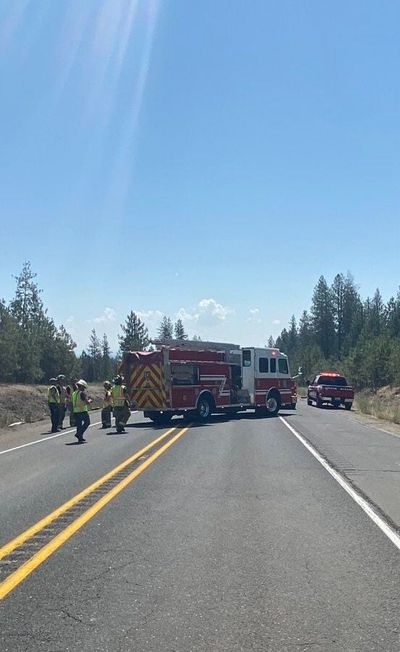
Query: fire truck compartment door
column 248, row 372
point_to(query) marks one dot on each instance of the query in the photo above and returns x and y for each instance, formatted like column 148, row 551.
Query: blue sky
column 206, row 159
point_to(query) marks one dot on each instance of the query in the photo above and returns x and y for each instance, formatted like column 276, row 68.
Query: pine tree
column 32, row 348
column 338, row 306
column 305, row 330
column 166, row 329
column 352, row 315
column 271, row 342
column 323, row 321
column 392, row 316
column 28, row 312
column 95, row 355
column 292, row 336
column 106, row 361
column 179, row 330
column 377, row 314
column 8, row 345
column 135, row 335
column 282, row 341
column 27, row 306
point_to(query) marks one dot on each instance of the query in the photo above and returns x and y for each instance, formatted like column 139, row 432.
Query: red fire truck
column 196, row 379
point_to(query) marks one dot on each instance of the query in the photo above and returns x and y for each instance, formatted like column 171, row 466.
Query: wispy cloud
column 208, row 312
column 109, row 315
column 254, row 315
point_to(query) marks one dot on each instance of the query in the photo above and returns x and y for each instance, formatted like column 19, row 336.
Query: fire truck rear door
column 147, row 384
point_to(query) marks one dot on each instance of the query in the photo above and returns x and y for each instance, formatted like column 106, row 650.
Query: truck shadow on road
column 180, row 422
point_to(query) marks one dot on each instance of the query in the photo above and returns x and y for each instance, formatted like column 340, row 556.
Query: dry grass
column 28, row 403
column 301, row 391
column 384, row 404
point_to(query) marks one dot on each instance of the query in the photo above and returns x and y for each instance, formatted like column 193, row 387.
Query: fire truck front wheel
column 204, row 408
column 273, row 404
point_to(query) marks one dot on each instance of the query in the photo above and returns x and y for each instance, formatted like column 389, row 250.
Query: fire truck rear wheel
column 204, row 408
column 273, row 405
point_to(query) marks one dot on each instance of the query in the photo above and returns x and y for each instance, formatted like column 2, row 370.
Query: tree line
column 33, row 348
column 341, row 331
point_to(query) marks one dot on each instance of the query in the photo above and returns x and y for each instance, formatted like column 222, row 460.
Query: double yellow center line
column 32, row 536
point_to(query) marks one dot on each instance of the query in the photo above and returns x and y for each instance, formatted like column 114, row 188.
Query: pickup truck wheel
column 204, row 409
column 348, row 406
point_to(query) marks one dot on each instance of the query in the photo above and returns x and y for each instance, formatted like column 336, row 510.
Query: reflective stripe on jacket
column 77, row 403
column 118, row 394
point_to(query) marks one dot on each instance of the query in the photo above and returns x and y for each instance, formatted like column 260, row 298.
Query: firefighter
column 53, row 399
column 121, row 404
column 62, row 408
column 81, row 402
column 70, row 389
column 107, row 405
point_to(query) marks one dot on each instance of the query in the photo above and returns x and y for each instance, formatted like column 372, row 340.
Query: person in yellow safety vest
column 107, row 405
column 121, row 404
column 80, row 403
column 69, row 391
column 53, row 399
column 62, row 408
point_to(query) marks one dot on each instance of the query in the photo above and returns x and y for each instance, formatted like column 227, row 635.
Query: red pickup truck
column 332, row 388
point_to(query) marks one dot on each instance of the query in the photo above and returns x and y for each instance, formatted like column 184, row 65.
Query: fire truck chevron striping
column 147, row 386
column 196, row 379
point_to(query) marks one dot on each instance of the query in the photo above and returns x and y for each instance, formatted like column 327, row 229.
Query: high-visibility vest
column 77, row 403
column 52, row 395
column 63, row 392
column 118, row 394
column 107, row 400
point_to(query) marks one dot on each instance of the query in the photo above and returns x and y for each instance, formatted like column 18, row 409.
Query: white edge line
column 40, row 441
column 361, row 502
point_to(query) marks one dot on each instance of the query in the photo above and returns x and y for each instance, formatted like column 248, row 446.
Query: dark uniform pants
column 61, row 414
column 70, row 409
column 106, row 416
column 82, row 422
column 54, row 416
column 121, row 414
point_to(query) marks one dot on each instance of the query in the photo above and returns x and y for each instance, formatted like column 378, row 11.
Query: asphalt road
column 228, row 536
